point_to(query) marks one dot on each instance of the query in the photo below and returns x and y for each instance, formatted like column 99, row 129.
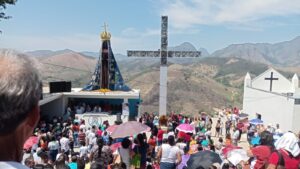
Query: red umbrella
column 30, row 142
column 111, row 128
column 115, row 146
column 229, row 148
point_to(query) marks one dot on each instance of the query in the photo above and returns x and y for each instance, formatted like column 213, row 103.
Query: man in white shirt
column 235, row 136
column 90, row 137
column 125, row 111
column 83, row 150
column 65, row 144
column 20, row 93
column 78, row 110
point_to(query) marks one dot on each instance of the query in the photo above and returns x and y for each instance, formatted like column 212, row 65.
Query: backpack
column 118, row 158
column 280, row 163
column 136, row 159
column 227, row 124
column 218, row 125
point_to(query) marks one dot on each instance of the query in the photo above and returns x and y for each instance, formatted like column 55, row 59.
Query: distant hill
column 280, row 54
column 194, row 84
column 92, row 54
column 47, row 53
column 186, row 46
column 69, row 66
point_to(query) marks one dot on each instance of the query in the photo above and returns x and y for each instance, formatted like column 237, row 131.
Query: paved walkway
column 243, row 142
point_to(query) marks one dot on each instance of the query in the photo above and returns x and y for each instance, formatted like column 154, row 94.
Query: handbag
column 136, row 160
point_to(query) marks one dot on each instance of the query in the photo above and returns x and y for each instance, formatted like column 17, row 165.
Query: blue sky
column 135, row 24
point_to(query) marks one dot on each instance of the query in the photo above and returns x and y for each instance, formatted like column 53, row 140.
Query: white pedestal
column 163, row 90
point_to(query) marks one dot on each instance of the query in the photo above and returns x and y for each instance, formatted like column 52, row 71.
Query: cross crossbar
column 144, row 53
column 271, row 80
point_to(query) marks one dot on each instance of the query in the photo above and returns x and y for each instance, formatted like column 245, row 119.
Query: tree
column 3, row 4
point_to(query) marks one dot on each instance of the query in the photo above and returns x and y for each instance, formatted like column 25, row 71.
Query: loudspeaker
column 68, row 87
column 58, row 87
column 41, row 88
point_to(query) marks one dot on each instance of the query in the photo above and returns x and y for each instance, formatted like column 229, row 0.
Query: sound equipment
column 61, row 86
column 41, row 88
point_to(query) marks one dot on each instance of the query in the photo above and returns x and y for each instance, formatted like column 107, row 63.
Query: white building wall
column 53, row 108
column 273, row 108
column 296, row 119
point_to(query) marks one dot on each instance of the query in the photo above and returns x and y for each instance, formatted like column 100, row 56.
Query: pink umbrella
column 30, row 142
column 186, row 128
column 129, row 128
column 111, row 129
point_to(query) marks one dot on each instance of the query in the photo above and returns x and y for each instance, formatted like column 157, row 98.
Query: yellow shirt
column 87, row 166
column 193, row 147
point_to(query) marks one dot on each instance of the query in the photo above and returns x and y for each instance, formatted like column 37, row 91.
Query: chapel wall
column 273, row 108
column 296, row 119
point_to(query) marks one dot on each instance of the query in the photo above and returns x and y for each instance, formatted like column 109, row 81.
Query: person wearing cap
column 20, row 91
column 270, row 128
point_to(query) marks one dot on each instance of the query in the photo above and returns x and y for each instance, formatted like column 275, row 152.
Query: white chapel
column 275, row 98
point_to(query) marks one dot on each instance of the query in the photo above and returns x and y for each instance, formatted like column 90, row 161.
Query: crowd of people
column 82, row 107
column 75, row 145
column 72, row 144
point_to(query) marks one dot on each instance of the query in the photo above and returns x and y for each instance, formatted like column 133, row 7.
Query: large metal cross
column 163, row 53
column 271, row 80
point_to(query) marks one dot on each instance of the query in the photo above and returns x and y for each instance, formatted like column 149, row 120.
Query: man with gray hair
column 19, row 109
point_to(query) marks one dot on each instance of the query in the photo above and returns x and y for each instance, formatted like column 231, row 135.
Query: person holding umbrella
column 169, row 154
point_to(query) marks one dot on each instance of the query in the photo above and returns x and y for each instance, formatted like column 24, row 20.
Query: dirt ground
column 243, row 142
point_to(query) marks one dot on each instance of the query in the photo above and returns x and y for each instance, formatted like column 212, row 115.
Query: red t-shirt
column 187, row 137
column 75, row 128
column 290, row 162
column 152, row 142
column 240, row 125
column 184, row 136
column 160, row 134
column 262, row 154
column 99, row 133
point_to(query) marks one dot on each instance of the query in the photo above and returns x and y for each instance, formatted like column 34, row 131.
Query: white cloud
column 133, row 32
column 149, row 39
column 188, row 13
